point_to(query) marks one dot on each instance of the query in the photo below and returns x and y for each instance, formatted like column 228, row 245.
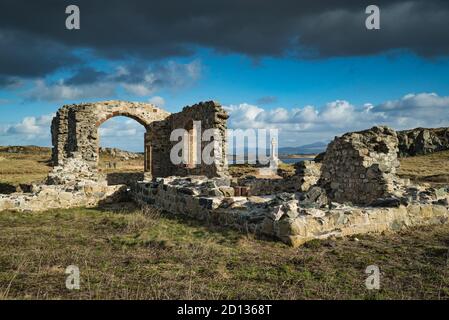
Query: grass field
column 145, row 255
column 432, row 168
column 127, row 253
column 33, row 165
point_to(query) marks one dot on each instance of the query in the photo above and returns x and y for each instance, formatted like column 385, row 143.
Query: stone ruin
column 75, row 134
column 360, row 167
column 353, row 189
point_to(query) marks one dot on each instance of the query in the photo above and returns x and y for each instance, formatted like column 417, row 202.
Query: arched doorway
column 75, row 130
column 121, row 153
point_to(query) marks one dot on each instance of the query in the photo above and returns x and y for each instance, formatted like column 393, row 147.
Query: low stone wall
column 306, row 175
column 320, row 224
column 289, row 217
column 45, row 197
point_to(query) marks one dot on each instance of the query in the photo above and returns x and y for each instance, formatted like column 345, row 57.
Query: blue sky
column 397, row 77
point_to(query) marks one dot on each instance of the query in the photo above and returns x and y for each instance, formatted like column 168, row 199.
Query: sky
column 310, row 69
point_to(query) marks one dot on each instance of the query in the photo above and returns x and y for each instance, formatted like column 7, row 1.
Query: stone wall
column 308, row 224
column 360, row 167
column 212, row 116
column 266, row 186
column 286, row 216
column 422, row 141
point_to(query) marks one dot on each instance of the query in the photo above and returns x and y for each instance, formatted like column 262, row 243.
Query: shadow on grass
column 115, row 178
column 6, row 188
column 47, row 162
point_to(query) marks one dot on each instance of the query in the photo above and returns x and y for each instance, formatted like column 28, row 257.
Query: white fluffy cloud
column 30, row 130
column 309, row 124
column 60, row 91
column 123, row 133
column 157, row 101
column 121, row 127
column 30, row 127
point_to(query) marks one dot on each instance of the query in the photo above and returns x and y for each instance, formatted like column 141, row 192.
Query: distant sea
column 294, row 160
column 285, row 160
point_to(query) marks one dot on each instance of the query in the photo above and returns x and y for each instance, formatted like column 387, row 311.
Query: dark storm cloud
column 34, row 40
column 86, row 75
column 25, row 54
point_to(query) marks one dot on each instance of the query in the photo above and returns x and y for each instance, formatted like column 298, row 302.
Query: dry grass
column 26, row 168
column 432, row 168
column 241, row 170
column 32, row 165
column 131, row 165
column 145, row 255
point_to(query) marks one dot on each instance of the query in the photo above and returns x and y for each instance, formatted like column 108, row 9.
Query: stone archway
column 75, row 128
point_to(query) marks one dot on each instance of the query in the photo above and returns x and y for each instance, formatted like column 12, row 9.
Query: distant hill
column 312, row 148
column 111, row 152
column 25, row 149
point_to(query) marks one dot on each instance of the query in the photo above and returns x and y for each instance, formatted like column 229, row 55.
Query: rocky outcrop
column 422, row 141
column 360, row 167
column 119, row 154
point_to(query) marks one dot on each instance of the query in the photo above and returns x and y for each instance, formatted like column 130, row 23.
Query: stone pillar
column 274, row 160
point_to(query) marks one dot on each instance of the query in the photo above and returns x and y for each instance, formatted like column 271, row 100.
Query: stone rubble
column 72, row 171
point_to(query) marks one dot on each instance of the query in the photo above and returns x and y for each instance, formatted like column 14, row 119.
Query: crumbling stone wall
column 212, row 116
column 75, row 133
column 360, row 167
